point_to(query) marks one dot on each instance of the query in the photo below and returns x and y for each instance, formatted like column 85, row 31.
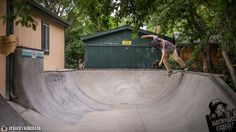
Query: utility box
column 116, row 49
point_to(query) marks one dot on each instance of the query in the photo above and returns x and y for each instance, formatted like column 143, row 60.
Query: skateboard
column 174, row 72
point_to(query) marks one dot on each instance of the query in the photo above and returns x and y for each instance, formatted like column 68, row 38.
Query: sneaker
column 186, row 68
column 170, row 72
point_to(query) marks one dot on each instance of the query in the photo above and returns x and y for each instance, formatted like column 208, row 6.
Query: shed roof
column 48, row 13
column 99, row 34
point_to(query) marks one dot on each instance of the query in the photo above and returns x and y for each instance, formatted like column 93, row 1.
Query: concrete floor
column 122, row 101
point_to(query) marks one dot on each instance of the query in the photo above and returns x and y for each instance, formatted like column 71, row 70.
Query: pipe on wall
column 9, row 58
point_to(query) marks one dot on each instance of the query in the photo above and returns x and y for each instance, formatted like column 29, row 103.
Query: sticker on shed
column 126, row 42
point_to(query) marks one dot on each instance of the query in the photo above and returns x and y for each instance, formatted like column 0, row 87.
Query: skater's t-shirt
column 165, row 45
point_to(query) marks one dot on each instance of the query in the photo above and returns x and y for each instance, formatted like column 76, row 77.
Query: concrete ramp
column 122, row 100
column 125, row 87
column 118, row 100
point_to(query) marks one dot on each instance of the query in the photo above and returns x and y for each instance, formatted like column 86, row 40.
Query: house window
column 45, row 38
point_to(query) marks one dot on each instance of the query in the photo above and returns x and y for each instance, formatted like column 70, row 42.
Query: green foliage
column 231, row 84
column 198, row 49
column 98, row 12
column 22, row 15
column 59, row 7
column 226, row 24
column 74, row 47
column 25, row 17
column 196, row 20
column 137, row 11
column 74, row 54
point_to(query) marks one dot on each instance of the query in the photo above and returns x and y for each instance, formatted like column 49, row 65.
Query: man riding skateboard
column 166, row 48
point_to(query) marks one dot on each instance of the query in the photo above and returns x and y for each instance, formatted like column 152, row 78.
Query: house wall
column 32, row 39
column 2, row 57
column 27, row 36
column 55, row 59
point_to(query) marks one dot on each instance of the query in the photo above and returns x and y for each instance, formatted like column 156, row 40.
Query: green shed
column 116, row 49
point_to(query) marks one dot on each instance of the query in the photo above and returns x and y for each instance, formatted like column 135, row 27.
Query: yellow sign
column 126, row 42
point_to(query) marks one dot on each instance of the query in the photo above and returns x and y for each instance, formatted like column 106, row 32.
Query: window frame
column 45, row 46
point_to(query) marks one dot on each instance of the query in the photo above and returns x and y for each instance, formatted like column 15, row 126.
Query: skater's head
column 156, row 43
column 159, row 41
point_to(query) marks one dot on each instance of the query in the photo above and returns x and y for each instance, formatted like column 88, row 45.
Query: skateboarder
column 166, row 48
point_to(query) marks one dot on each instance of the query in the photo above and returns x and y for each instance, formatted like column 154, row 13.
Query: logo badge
column 221, row 118
column 4, row 128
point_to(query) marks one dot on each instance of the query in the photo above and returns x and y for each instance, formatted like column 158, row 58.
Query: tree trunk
column 209, row 57
column 204, row 62
column 229, row 65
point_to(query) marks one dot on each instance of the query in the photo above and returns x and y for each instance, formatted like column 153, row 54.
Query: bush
column 74, row 54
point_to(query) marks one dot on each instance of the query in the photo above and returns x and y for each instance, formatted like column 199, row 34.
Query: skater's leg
column 176, row 57
column 167, row 65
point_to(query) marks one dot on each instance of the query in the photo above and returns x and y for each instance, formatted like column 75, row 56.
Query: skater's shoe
column 170, row 72
column 186, row 68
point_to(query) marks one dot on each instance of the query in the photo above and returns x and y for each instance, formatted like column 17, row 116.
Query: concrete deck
column 8, row 116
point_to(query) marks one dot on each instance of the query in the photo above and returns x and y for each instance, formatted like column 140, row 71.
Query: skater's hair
column 155, row 43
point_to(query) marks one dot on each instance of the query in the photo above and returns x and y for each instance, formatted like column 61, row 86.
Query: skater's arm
column 164, row 53
column 163, row 56
column 148, row 36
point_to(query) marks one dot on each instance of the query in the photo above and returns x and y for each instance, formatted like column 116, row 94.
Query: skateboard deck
column 174, row 72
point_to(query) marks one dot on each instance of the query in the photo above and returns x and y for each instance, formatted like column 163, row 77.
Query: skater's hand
column 160, row 64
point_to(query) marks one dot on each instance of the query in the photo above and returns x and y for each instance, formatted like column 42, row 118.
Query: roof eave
column 113, row 31
column 120, row 29
column 47, row 12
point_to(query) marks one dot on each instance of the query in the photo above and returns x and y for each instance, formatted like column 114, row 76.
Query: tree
column 202, row 20
column 59, row 7
column 199, row 19
column 86, row 17
column 227, row 30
